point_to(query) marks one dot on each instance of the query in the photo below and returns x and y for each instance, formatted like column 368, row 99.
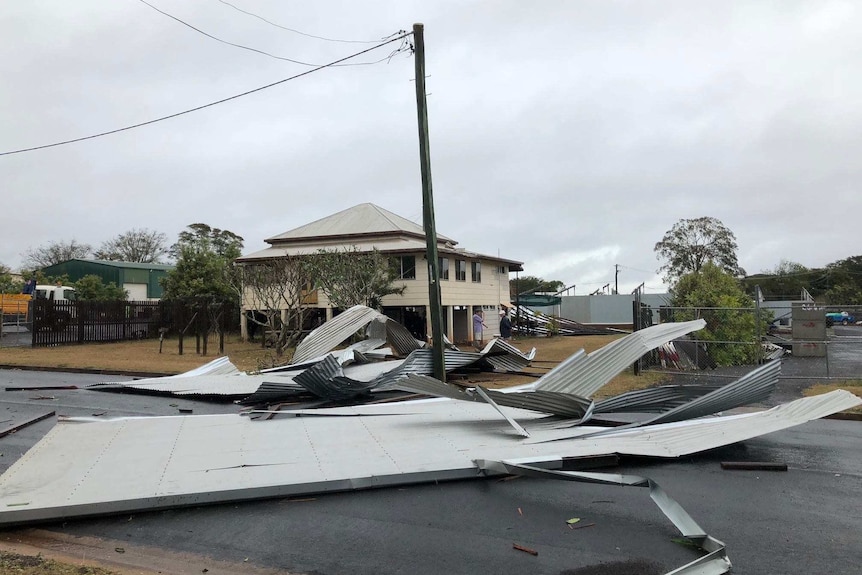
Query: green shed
column 140, row 280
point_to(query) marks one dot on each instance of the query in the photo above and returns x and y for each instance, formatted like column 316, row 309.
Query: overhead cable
column 301, row 33
column 223, row 100
column 250, row 49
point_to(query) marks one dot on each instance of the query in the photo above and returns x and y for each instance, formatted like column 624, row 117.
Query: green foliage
column 8, row 284
column 712, row 287
column 204, row 265
column 530, row 284
column 93, row 288
column 786, row 281
column 845, row 282
column 692, row 243
column 351, row 277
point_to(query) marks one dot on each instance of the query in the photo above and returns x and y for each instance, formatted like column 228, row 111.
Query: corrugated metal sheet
column 548, row 402
column 401, row 339
column 654, row 399
column 755, row 386
column 217, row 378
column 503, row 356
column 584, row 374
column 327, row 336
column 131, row 464
column 326, row 379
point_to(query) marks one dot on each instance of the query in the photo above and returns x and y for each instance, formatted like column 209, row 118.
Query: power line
column 303, row 33
column 250, row 49
column 223, row 100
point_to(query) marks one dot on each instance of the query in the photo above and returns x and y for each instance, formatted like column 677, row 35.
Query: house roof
column 365, row 227
column 362, row 220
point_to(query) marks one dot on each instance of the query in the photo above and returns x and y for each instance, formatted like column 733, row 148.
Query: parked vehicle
column 841, row 317
column 55, row 315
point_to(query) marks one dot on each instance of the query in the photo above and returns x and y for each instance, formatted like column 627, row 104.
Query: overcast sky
column 569, row 135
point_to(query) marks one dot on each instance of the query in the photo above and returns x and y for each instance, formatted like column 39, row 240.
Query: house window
column 477, row 271
column 406, row 267
column 460, row 270
column 502, row 270
column 443, row 264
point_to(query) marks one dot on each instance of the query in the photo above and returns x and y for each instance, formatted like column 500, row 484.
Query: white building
column 468, row 281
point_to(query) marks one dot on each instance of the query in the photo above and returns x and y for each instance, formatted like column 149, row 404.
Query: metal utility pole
column 428, row 208
column 616, row 278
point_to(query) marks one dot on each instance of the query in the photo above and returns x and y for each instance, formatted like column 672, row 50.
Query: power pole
column 430, row 227
column 616, row 278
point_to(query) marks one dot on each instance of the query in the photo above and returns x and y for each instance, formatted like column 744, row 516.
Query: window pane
column 408, row 267
column 443, row 263
column 477, row 271
column 460, row 270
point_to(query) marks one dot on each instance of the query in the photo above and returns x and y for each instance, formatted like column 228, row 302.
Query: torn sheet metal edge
column 327, row 336
column 521, row 431
column 584, row 374
column 752, row 387
column 218, row 366
column 666, row 440
column 714, row 562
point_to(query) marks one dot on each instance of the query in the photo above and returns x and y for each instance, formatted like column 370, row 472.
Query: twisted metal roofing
column 130, row 464
column 584, row 374
column 327, row 336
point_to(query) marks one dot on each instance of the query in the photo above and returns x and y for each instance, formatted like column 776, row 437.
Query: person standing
column 478, row 327
column 505, row 326
column 29, row 286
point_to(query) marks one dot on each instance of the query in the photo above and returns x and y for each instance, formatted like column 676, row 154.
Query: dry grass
column 29, row 565
column 144, row 357
column 851, row 385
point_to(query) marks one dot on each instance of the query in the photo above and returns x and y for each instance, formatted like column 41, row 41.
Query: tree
column 136, row 245
column 530, row 284
column 716, row 296
column 93, row 288
column 352, row 277
column 786, row 281
column 204, row 265
column 278, row 289
column 55, row 253
column 844, row 278
column 692, row 243
column 7, row 283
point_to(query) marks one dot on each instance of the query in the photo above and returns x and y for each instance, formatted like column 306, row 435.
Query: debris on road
column 524, row 549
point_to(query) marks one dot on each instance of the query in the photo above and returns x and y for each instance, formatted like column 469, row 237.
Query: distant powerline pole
column 430, row 227
column 616, row 278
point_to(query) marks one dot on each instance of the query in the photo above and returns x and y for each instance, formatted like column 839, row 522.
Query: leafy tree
column 204, row 265
column 278, row 289
column 786, row 281
column 713, row 287
column 844, row 279
column 351, row 277
column 7, row 283
column 93, row 288
column 692, row 243
column 136, row 245
column 55, row 253
column 530, row 284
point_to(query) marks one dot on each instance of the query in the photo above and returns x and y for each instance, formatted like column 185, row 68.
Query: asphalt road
column 805, row 520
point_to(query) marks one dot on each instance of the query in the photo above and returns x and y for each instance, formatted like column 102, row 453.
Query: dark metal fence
column 66, row 322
